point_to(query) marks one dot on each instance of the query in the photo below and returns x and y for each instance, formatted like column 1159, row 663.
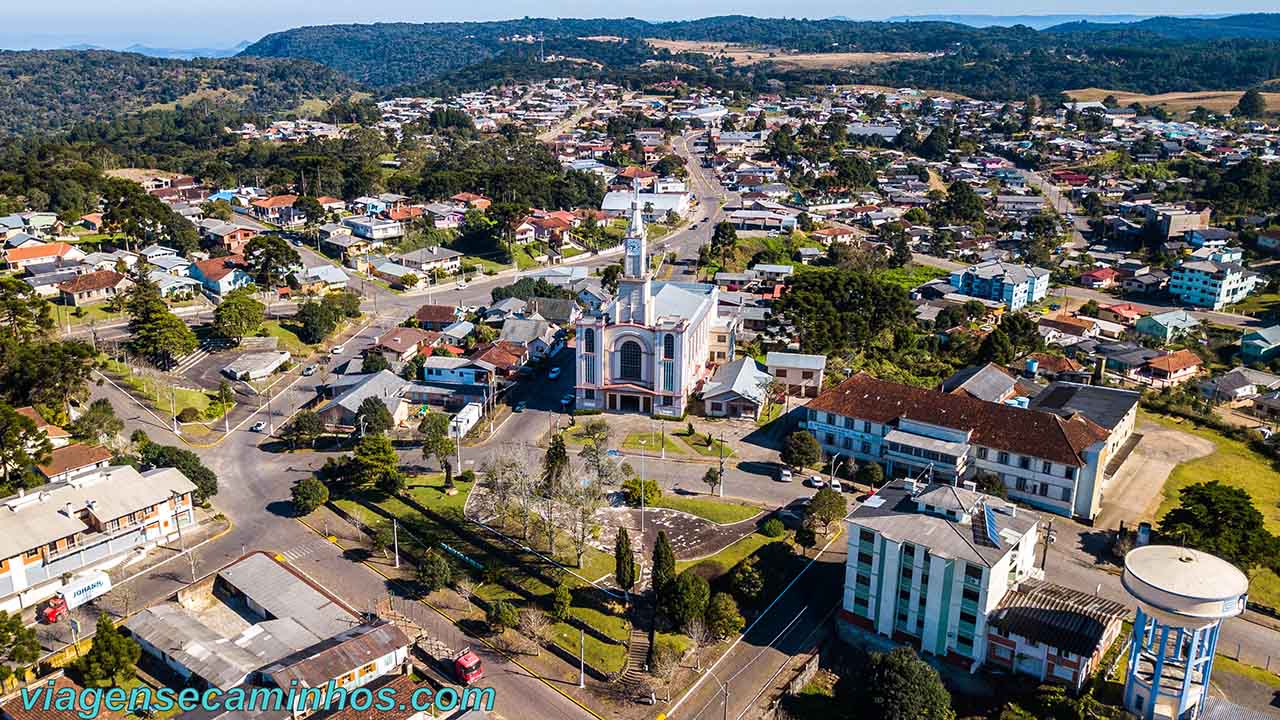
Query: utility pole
column 644, row 481
column 173, row 408
column 582, row 661
column 395, row 539
column 181, row 541
column 722, row 463
column 271, row 426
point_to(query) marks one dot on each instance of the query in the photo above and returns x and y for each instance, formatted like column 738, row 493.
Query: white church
column 647, row 350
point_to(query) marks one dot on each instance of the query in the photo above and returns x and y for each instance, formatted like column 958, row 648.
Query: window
column 971, row 595
column 846, row 443
column 807, row 375
column 717, row 407
column 630, row 360
column 780, row 373
column 1024, row 463
column 861, row 579
column 588, row 340
column 848, row 423
column 1020, row 484
column 972, row 572
column 669, row 347
column 831, row 439
column 866, row 536
column 1046, row 467
column 589, row 394
column 1044, row 489
column 866, row 448
column 866, row 426
column 668, row 401
column 1003, row 458
column 864, row 558
column 982, row 453
column 1066, row 494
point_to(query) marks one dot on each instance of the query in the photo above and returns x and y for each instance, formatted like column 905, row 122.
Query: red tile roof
column 51, row 430
column 17, row 710
column 436, row 314
column 1026, row 432
column 1174, row 362
column 32, row 252
column 74, row 457
column 276, row 201
column 89, row 282
column 217, row 268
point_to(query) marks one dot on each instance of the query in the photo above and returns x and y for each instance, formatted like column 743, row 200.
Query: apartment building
column 928, row 563
column 1014, row 285
column 85, row 522
column 1211, row 284
column 1051, row 462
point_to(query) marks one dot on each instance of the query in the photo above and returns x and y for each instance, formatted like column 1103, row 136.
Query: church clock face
column 633, row 246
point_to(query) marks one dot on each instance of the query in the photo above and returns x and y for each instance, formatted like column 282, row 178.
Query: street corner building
column 84, row 522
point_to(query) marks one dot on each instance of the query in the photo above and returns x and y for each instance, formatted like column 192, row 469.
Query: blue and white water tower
column 1183, row 596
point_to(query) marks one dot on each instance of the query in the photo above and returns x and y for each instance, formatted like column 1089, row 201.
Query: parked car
column 553, row 373
column 338, row 349
column 816, row 481
column 835, row 485
column 309, row 370
column 784, row 474
column 259, row 426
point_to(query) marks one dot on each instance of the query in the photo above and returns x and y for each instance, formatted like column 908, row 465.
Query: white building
column 89, row 521
column 655, row 206
column 647, row 349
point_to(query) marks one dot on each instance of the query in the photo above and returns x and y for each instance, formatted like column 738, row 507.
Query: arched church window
column 630, row 358
column 669, row 347
column 589, row 340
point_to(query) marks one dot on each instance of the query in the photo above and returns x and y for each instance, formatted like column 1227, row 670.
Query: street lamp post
column 177, row 498
column 724, row 687
column 643, row 483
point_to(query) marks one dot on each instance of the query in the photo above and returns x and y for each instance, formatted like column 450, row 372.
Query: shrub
column 502, row 615
column 309, row 494
column 467, row 476
column 561, row 602
column 723, row 618
column 188, row 414
column 688, row 599
column 631, row 491
column 773, row 528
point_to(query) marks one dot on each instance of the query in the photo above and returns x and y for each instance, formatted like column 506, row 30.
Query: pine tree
column 112, row 658
column 664, row 567
column 624, row 562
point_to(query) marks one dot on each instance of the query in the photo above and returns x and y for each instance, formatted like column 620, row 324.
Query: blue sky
column 205, row 23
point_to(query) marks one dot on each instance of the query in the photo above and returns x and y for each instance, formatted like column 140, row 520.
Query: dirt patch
column 1134, row 493
column 139, row 175
column 750, row 55
column 1178, row 102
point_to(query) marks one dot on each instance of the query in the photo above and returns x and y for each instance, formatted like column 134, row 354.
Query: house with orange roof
column 277, row 209
column 94, row 287
column 479, row 202
column 1123, row 313
column 58, row 437
column 1168, row 370
column 220, row 276
column 20, row 258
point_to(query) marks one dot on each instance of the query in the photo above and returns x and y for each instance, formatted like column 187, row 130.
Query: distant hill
column 187, row 53
column 42, row 90
column 1255, row 26
column 1038, row 22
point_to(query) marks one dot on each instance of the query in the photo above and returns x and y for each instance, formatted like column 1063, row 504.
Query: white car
column 816, row 481
column 835, row 485
column 309, row 370
column 259, row 426
column 337, row 349
column 784, row 475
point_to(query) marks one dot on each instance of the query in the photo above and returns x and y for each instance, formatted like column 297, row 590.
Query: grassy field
column 733, row 554
column 601, row 655
column 911, row 276
column 713, row 449
column 157, row 390
column 1258, row 305
column 1180, row 102
column 717, row 511
column 1235, row 464
column 429, row 490
column 652, row 441
column 750, row 55
column 286, row 333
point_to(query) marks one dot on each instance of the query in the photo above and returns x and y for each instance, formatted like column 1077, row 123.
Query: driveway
column 1134, row 493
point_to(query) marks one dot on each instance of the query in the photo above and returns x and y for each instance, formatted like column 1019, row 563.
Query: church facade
column 649, row 348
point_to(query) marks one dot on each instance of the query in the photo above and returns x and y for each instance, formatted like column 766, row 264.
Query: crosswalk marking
column 298, row 552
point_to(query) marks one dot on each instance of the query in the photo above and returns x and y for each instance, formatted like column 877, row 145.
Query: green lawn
column 699, row 445
column 1258, row 304
column 718, row 511
column 430, row 492
column 733, row 554
column 652, row 441
column 287, row 335
column 1235, row 464
column 1225, row 664
column 604, row 656
column 157, row 390
column 911, row 276
column 96, row 313
column 617, row 628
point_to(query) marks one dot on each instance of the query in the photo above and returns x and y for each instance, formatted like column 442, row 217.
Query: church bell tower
column 634, row 287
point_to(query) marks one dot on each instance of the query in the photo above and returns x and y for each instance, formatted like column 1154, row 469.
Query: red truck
column 467, row 668
column 79, row 591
